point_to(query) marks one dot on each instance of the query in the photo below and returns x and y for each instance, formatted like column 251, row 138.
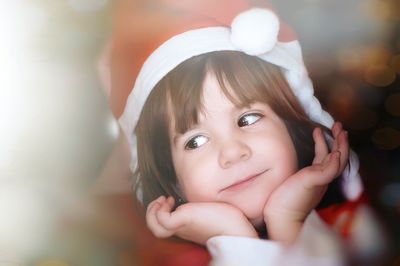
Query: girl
column 233, row 133
column 226, row 135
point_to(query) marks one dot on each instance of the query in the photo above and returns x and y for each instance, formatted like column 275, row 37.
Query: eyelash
column 241, row 119
column 191, row 144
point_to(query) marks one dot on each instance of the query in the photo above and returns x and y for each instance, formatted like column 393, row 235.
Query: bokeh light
column 342, row 96
column 395, row 63
column 386, row 138
column 377, row 55
column 347, row 107
column 383, row 10
column 349, row 59
column 379, row 75
column 392, row 104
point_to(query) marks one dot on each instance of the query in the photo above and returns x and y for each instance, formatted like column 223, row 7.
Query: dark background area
column 352, row 51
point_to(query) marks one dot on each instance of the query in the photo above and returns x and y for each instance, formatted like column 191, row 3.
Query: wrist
column 249, row 232
column 284, row 228
column 246, row 231
column 286, row 216
column 242, row 227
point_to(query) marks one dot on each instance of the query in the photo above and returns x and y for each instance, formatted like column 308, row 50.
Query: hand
column 196, row 221
column 293, row 200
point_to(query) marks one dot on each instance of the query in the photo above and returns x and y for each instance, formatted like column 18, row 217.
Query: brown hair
column 179, row 94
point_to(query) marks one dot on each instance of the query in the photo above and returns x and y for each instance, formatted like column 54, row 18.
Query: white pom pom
column 255, row 31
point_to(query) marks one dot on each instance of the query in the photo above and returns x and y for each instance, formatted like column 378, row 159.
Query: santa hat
column 178, row 30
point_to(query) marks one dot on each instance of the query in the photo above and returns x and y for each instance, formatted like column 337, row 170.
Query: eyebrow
column 176, row 136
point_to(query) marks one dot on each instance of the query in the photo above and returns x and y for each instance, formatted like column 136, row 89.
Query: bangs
column 184, row 87
column 243, row 79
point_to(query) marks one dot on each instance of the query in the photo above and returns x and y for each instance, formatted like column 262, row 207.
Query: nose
column 233, row 151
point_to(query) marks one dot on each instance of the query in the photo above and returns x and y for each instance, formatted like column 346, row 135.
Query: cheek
column 287, row 149
column 195, row 177
column 278, row 151
column 290, row 155
column 288, row 158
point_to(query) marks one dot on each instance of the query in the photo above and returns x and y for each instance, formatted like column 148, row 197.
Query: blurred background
column 352, row 51
column 65, row 184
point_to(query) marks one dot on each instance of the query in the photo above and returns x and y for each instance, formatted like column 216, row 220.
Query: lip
column 242, row 183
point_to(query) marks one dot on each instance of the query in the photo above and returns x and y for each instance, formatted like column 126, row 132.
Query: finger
column 320, row 147
column 321, row 174
column 171, row 201
column 171, row 220
column 165, row 207
column 152, row 222
column 158, row 200
column 151, row 212
column 329, row 170
column 336, row 129
column 340, row 143
column 344, row 149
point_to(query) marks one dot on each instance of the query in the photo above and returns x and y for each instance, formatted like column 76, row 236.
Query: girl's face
column 233, row 155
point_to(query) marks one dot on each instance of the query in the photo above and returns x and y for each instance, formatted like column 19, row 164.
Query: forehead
column 217, row 86
column 214, row 93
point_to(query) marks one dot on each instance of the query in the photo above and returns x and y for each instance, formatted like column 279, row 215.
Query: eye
column 196, row 142
column 249, row 119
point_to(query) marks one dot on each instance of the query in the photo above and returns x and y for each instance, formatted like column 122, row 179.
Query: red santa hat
column 178, row 30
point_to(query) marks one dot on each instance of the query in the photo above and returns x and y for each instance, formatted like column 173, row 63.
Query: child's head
column 265, row 86
column 218, row 119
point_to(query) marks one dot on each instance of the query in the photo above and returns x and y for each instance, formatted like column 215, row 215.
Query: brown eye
column 196, row 142
column 249, row 119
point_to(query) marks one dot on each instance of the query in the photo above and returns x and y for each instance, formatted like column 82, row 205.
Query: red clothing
column 340, row 216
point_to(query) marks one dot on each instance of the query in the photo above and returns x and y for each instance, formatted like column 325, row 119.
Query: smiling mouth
column 242, row 183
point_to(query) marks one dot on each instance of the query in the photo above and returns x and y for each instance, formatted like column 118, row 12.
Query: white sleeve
column 317, row 244
column 236, row 250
